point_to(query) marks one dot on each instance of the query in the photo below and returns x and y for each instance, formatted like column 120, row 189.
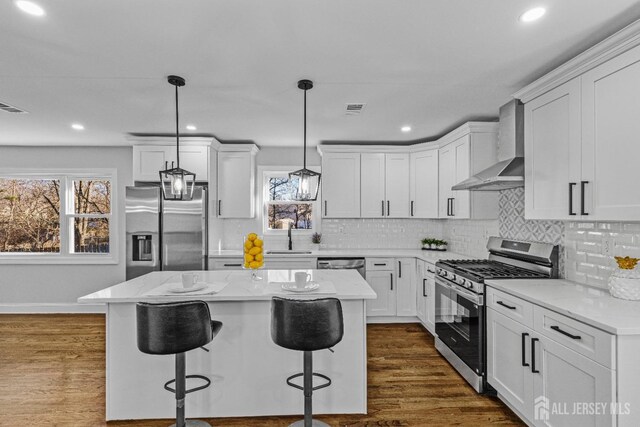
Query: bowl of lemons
column 253, row 254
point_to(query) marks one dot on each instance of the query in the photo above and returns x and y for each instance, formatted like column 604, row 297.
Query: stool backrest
column 171, row 328
column 306, row 325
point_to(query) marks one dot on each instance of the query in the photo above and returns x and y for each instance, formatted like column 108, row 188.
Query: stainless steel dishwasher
column 342, row 264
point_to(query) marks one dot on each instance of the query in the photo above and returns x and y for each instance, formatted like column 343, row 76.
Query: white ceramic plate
column 179, row 289
column 291, row 287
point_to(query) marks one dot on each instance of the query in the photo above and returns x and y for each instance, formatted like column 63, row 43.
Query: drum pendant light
column 308, row 181
column 177, row 183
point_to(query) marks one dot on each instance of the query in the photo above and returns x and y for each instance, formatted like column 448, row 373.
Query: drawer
column 591, row 342
column 290, row 264
column 513, row 307
column 374, row 264
column 226, row 264
column 429, row 270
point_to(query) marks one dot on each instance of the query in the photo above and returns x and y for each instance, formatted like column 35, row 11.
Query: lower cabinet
column 425, row 296
column 544, row 381
column 394, row 281
column 383, row 283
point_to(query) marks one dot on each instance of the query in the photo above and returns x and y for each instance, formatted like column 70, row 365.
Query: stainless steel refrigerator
column 165, row 235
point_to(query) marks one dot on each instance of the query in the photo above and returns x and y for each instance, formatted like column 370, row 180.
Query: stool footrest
column 201, row 377
column 318, row 387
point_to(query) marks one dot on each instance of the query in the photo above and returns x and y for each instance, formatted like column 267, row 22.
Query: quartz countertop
column 428, row 256
column 587, row 304
column 348, row 284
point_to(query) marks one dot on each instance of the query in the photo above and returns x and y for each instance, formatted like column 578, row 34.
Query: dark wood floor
column 52, row 373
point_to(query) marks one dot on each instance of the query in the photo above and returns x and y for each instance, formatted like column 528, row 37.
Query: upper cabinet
column 581, row 128
column 465, row 152
column 236, row 181
column 423, row 184
column 149, row 159
column 340, row 185
column 384, row 184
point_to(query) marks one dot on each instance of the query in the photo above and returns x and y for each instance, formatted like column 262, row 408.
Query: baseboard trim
column 36, row 308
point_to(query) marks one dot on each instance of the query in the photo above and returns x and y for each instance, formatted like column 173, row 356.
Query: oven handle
column 474, row 298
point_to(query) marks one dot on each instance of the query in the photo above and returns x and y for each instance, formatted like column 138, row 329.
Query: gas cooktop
column 486, row 269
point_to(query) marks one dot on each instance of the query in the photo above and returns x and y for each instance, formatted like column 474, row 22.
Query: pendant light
column 177, row 183
column 308, row 182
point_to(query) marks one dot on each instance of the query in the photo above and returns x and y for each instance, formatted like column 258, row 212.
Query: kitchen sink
column 288, row 252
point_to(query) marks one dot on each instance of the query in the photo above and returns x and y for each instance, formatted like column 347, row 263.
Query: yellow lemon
column 248, row 258
column 257, row 242
column 252, row 236
column 248, row 244
column 246, row 265
column 246, row 251
column 258, row 257
column 254, row 264
column 255, row 251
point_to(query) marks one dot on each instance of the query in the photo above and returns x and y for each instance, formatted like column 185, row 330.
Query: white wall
column 63, row 284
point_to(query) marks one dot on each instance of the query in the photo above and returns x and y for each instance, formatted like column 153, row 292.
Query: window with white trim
column 57, row 215
column 280, row 210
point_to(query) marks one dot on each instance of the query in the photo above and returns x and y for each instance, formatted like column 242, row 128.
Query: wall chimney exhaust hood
column 509, row 171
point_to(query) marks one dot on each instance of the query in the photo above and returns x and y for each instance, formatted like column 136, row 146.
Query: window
column 280, row 211
column 57, row 216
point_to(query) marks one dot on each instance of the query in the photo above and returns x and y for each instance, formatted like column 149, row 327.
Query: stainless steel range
column 460, row 308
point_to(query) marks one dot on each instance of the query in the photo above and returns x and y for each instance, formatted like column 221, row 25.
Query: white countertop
column 348, row 285
column 590, row 305
column 429, row 256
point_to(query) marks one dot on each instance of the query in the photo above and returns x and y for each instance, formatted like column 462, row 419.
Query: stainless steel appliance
column 460, row 305
column 165, row 234
column 342, row 263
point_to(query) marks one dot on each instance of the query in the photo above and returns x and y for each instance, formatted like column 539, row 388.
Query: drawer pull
column 505, row 305
column 380, row 265
column 573, row 337
column 233, row 265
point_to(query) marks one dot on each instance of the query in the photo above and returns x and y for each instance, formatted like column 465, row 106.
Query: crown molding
column 252, row 148
column 620, row 42
column 171, row 140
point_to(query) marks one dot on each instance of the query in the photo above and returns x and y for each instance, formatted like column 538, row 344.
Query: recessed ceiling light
column 77, row 126
column 191, row 127
column 533, row 14
column 405, row 128
column 29, row 7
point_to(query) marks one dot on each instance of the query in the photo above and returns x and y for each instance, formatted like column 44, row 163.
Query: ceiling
column 428, row 64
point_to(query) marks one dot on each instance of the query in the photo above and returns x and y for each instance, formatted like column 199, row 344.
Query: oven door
column 459, row 323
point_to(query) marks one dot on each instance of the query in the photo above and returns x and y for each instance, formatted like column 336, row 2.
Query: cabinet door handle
column 510, row 307
column 388, row 208
column 325, row 208
column 524, row 341
column 233, row 265
column 424, row 288
column 391, row 277
column 571, row 212
column 573, row 337
column 449, row 206
column 412, row 208
column 582, row 185
column 382, row 207
column 453, row 211
column 399, row 269
column 219, row 207
column 533, row 355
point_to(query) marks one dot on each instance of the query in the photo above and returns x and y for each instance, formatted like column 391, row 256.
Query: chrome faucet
column 289, row 234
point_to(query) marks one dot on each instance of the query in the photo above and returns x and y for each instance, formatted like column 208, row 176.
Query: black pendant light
column 308, row 181
column 177, row 183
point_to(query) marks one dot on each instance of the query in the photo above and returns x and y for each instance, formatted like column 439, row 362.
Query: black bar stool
column 175, row 328
column 307, row 325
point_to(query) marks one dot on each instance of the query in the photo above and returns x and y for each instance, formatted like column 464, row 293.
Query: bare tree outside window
column 281, row 211
column 92, row 203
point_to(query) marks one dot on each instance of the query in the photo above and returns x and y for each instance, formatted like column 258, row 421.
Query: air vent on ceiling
column 10, row 109
column 353, row 108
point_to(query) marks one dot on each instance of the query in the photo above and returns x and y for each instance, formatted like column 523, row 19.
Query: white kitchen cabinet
column 383, row 283
column 429, row 293
column 406, row 287
column 610, row 133
column 423, row 184
column 236, row 184
column 552, row 153
column 149, row 160
column 472, row 148
column 421, row 300
column 340, row 185
column 384, row 184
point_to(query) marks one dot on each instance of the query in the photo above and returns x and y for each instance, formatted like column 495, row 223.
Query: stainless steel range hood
column 509, row 171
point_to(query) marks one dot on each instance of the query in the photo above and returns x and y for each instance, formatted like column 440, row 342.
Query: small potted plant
column 441, row 245
column 427, row 243
column 316, row 238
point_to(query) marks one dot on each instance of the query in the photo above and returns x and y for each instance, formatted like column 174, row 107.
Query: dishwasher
column 342, row 264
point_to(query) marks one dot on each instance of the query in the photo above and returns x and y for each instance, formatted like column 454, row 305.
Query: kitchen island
column 246, row 368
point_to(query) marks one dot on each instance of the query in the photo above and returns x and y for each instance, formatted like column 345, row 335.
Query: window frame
column 266, row 172
column 67, row 215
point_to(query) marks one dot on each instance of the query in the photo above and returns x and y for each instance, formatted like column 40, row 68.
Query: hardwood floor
column 52, row 373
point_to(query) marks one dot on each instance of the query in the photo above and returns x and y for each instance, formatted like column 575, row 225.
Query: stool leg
column 308, row 388
column 180, row 388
